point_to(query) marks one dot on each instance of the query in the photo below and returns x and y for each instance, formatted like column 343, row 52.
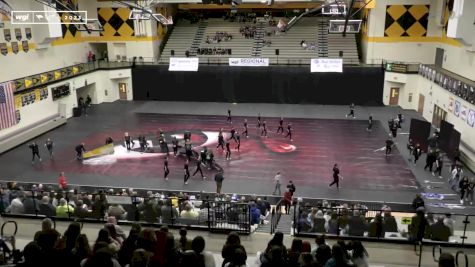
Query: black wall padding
column 453, row 144
column 274, row 84
column 444, row 135
column 419, row 133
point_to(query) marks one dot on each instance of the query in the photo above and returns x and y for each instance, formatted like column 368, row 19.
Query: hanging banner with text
column 249, row 62
column 184, row 64
column 326, row 65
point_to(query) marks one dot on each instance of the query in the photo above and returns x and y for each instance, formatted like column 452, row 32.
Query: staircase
column 198, row 38
column 284, row 225
column 259, row 39
column 322, row 38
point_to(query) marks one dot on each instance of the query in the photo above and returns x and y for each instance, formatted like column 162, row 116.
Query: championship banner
column 183, row 64
column 326, row 65
column 457, row 108
column 463, row 112
column 471, row 117
column 451, row 104
column 249, row 62
column 102, row 150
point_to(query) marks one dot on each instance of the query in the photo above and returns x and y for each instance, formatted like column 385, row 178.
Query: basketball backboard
column 92, row 25
column 338, row 26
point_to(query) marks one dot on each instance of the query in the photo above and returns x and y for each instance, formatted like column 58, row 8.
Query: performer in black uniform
column 79, row 150
column 238, row 140
column 165, row 168
column 264, row 129
column 245, row 128
column 281, row 127
column 175, row 146
column 188, row 150
column 203, row 155
column 198, row 169
column 370, row 124
column 229, row 119
column 187, row 172
column 289, row 131
column 142, row 142
column 49, row 145
column 220, row 140
column 233, row 135
column 336, row 176
column 228, row 151
column 109, row 140
column 35, row 151
column 389, row 145
column 352, row 110
column 128, row 140
column 417, row 153
column 259, row 120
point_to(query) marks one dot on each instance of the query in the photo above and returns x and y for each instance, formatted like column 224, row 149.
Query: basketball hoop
column 92, row 25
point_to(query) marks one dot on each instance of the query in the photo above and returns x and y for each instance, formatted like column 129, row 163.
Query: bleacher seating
column 180, row 41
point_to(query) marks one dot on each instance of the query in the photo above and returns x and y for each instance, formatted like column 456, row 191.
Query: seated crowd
column 308, row 46
column 214, row 51
column 147, row 247
column 248, row 31
column 151, row 208
column 218, row 37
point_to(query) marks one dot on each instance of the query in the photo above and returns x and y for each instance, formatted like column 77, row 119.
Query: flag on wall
column 7, row 106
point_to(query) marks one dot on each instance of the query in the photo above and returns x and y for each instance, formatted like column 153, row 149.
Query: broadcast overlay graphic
column 48, row 17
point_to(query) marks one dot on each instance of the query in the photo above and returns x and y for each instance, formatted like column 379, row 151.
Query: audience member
column 446, row 260
column 46, row 208
column 439, row 231
column 338, row 258
column 198, row 246
column 233, row 242
column 64, row 210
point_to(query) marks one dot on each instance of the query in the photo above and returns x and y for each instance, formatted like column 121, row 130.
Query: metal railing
column 274, row 60
column 275, row 216
column 210, row 214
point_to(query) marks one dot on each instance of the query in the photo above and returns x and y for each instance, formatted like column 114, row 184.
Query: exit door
column 123, row 91
column 394, row 96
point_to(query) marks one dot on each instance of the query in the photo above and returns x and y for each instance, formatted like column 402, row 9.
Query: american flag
column 7, row 106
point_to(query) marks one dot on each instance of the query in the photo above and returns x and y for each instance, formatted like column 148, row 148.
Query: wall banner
column 326, row 65
column 183, row 64
column 249, row 62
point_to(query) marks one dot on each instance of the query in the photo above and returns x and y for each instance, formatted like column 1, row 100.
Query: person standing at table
column 187, row 172
column 245, row 129
column 35, row 151
column 166, row 170
column 281, row 127
column 49, row 146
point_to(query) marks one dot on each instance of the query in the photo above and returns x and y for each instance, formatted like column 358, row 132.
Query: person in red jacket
column 287, row 200
column 63, row 183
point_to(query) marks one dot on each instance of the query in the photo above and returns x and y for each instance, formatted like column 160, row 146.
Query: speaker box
column 172, row 52
column 340, row 53
column 277, row 52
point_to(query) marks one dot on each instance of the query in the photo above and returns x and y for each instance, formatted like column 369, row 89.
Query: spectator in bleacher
column 4, row 199
column 140, row 258
column 46, row 208
column 293, row 254
column 169, row 213
column 113, row 233
column 31, row 205
column 449, row 222
column 318, row 224
column 81, row 210
column 376, row 227
column 333, row 227
column 303, row 224
column 439, row 231
column 356, row 224
column 47, row 237
column 82, row 250
column 262, row 206
column 389, row 222
column 338, row 258
column 359, row 257
column 104, row 237
column 255, row 214
column 102, row 256
column 233, row 243
column 277, row 240
column 99, row 206
column 117, row 211
column 198, row 246
column 129, row 245
column 183, row 244
column 64, row 210
column 446, row 260
column 189, row 213
column 306, row 260
column 33, row 255
column 274, row 257
column 16, row 205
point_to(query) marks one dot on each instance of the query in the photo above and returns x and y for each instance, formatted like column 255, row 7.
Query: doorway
column 438, row 116
column 420, row 107
column 439, row 57
column 123, row 91
column 394, row 96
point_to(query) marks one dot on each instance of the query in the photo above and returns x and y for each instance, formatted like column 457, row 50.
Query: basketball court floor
column 322, row 136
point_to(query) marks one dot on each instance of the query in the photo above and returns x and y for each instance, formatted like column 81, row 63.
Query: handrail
column 275, row 216
column 436, row 259
column 8, row 222
column 457, row 258
column 418, row 253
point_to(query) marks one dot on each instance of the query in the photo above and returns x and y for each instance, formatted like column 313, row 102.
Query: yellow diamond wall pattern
column 116, row 22
column 406, row 20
